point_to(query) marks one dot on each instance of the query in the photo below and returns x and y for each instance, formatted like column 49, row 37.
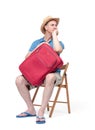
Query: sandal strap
column 40, row 117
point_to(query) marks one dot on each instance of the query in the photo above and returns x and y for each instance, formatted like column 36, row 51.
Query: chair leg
column 55, row 101
column 67, row 94
column 48, row 107
column 35, row 93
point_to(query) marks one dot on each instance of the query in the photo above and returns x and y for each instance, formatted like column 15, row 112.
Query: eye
column 54, row 25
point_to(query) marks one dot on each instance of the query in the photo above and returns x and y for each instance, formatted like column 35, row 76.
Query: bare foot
column 41, row 113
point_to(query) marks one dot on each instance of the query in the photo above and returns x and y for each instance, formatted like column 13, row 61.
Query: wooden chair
column 64, row 84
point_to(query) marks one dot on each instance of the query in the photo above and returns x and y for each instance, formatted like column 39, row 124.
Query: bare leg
column 24, row 92
column 48, row 89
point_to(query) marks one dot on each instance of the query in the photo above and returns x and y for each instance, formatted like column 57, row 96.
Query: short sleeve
column 33, row 46
column 62, row 44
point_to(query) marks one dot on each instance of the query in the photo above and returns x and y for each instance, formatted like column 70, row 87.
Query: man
column 50, row 31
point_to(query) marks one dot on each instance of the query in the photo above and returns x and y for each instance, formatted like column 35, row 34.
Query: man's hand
column 55, row 32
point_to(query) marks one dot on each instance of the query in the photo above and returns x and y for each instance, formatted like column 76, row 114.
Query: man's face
column 51, row 26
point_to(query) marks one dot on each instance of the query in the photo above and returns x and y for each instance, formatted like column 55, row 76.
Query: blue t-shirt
column 39, row 41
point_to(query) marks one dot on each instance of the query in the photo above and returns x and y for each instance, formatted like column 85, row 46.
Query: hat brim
column 46, row 21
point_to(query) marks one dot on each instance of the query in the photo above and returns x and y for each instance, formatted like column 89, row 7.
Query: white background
column 20, row 22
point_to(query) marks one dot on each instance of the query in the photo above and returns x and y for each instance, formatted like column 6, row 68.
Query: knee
column 19, row 80
column 50, row 77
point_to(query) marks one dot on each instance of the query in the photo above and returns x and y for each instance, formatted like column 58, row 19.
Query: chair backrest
column 64, row 70
column 65, row 66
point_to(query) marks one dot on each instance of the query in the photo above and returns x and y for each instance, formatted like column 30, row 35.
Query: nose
column 55, row 26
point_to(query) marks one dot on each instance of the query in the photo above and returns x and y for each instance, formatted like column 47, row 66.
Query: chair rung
column 50, row 101
column 36, row 104
column 63, row 86
column 58, row 102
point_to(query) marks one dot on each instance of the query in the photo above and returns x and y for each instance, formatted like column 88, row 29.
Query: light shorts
column 57, row 81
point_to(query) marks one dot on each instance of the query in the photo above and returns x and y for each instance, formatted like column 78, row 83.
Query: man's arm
column 28, row 54
column 57, row 47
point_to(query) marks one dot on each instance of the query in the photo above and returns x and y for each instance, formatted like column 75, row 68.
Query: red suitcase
column 43, row 60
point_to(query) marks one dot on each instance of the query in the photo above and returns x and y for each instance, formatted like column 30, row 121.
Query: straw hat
column 46, row 20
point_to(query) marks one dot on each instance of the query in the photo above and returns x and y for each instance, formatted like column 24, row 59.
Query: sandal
column 40, row 120
column 25, row 114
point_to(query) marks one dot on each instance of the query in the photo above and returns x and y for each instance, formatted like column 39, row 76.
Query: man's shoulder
column 40, row 40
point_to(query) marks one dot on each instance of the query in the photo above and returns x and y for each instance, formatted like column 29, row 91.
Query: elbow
column 59, row 50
